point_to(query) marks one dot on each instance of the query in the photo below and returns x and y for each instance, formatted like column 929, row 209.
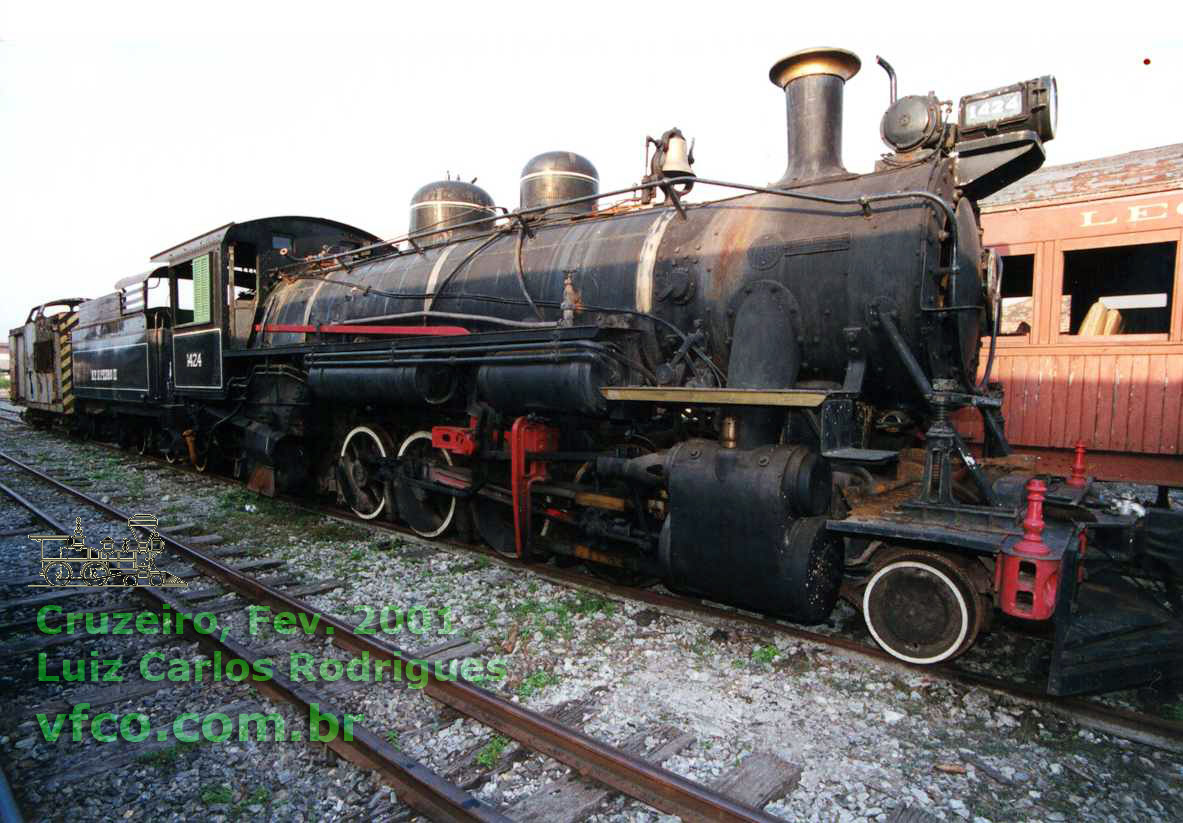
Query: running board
column 791, row 398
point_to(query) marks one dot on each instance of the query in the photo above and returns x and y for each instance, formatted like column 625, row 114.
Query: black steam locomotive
column 750, row 398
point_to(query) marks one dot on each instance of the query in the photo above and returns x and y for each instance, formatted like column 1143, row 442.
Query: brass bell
column 677, row 160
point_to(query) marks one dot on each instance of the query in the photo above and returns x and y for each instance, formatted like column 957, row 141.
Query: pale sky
column 126, row 128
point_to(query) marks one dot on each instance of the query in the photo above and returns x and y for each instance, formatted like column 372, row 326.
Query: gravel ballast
column 869, row 739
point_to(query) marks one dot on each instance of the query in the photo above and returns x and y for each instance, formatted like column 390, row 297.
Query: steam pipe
column 984, row 386
column 451, row 315
column 890, row 74
column 906, row 357
column 939, row 204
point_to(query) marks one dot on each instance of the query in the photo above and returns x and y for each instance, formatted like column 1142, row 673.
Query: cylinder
column 398, row 385
column 748, row 526
column 445, row 203
column 555, row 177
column 813, row 81
column 563, row 387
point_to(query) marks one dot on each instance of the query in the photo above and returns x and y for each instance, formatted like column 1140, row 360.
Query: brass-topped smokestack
column 813, row 80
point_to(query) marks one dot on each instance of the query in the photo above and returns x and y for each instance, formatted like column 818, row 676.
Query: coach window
column 1018, row 279
column 1118, row 290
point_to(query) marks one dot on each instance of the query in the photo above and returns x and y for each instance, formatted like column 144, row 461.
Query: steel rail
column 9, row 811
column 416, row 785
column 1153, row 731
column 637, row 778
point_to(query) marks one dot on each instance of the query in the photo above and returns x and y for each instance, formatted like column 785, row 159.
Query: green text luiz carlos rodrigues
column 155, row 665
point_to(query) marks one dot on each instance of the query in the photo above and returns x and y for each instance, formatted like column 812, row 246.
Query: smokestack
column 813, row 80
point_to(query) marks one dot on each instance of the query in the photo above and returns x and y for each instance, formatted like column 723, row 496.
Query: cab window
column 158, row 292
column 194, row 283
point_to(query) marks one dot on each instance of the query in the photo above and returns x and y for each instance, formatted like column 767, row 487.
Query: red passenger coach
column 1091, row 340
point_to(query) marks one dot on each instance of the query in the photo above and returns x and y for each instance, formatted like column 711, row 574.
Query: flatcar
column 751, row 398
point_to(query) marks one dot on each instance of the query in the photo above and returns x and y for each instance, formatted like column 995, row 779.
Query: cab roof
column 290, row 224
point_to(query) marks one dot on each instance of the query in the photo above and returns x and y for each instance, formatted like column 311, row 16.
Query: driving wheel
column 357, row 470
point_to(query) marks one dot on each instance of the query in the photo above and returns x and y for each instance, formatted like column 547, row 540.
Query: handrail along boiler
column 749, row 398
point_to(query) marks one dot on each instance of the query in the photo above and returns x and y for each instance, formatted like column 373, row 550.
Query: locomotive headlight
column 1031, row 106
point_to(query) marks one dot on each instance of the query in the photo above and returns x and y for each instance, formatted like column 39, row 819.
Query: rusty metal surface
column 629, row 775
column 1160, row 167
column 1160, row 469
column 41, row 360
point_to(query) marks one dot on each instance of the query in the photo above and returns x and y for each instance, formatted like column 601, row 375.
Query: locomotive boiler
column 751, row 398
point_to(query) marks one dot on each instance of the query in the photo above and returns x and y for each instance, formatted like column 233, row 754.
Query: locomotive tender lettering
column 193, row 360
column 104, row 375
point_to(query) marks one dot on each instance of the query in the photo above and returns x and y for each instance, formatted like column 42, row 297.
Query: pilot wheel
column 921, row 608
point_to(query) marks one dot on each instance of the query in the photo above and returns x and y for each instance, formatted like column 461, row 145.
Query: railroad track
column 1144, row 728
column 1137, row 726
column 416, row 785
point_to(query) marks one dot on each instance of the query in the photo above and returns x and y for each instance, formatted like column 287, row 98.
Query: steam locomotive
column 749, row 398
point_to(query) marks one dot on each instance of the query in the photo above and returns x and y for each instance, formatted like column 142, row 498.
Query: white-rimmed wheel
column 921, row 608
column 428, row 513
column 208, row 451
column 357, row 470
